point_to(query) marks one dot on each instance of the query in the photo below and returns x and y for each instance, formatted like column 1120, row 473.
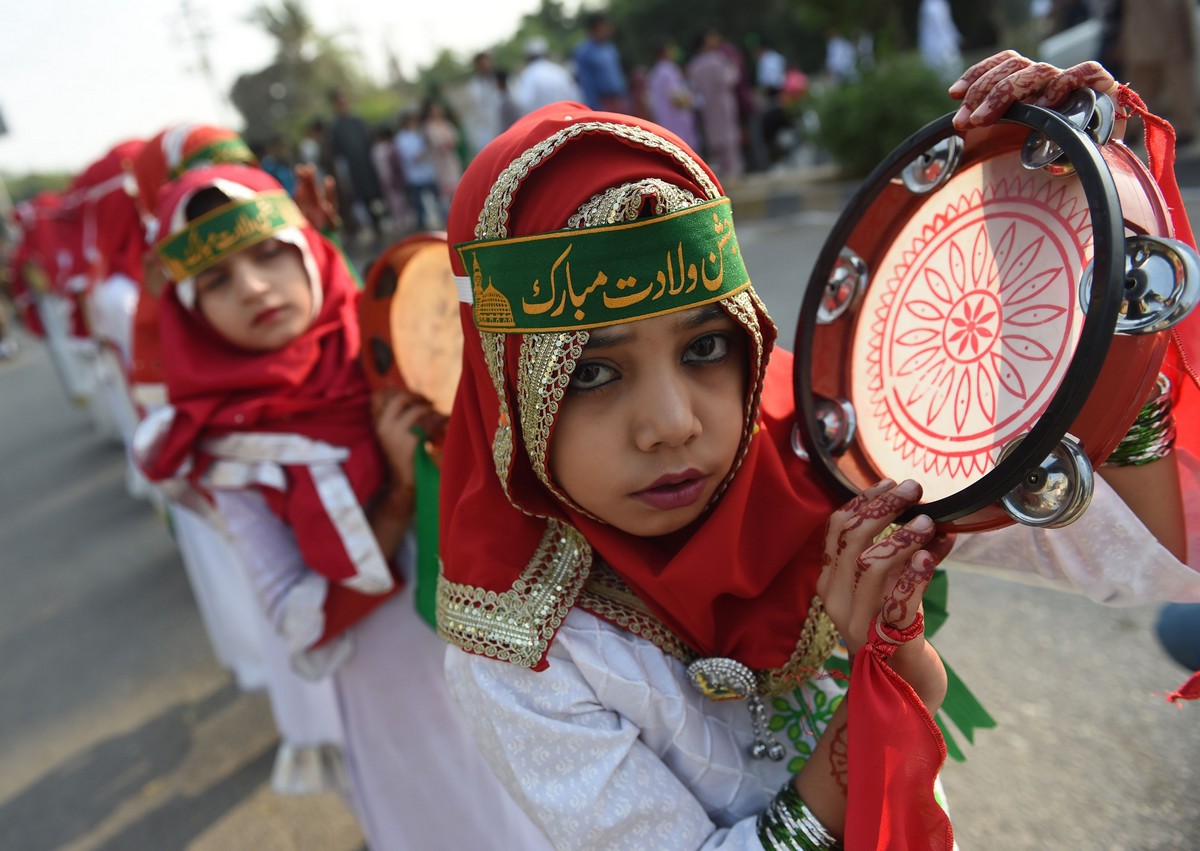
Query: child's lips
column 268, row 315
column 674, row 491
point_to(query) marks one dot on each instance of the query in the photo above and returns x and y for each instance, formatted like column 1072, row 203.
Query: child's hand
column 317, row 203
column 396, row 413
column 988, row 88
column 862, row 580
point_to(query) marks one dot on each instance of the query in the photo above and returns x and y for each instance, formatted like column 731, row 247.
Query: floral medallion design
column 971, row 324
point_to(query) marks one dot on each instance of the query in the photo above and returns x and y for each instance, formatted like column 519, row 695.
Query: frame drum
column 988, row 316
column 409, row 315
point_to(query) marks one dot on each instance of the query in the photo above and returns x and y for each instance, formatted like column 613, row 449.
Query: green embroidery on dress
column 802, row 718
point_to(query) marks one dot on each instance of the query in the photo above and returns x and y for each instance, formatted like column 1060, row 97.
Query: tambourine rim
column 1090, row 352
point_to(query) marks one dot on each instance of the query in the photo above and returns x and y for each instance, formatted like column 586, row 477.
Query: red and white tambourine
column 409, row 316
column 988, row 316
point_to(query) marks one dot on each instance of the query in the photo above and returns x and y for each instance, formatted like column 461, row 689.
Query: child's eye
column 711, row 348
column 591, row 375
column 209, row 281
column 268, row 250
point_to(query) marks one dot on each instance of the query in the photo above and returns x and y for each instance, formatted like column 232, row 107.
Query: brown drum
column 409, row 316
column 989, row 315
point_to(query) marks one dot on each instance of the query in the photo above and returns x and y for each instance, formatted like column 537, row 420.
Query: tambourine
column 411, row 331
column 989, row 314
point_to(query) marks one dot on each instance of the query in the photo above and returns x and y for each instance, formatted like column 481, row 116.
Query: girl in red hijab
column 270, row 420
column 645, row 584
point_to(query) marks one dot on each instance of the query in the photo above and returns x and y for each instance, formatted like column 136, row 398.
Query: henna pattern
column 888, row 548
column 991, row 86
column 839, row 759
column 917, row 573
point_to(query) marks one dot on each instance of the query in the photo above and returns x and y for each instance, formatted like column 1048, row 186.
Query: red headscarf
column 313, row 386
column 112, row 228
column 730, row 586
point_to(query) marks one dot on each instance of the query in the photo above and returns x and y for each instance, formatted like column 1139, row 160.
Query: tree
column 284, row 97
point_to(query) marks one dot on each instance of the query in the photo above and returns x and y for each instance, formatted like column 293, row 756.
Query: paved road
column 117, row 729
column 119, row 732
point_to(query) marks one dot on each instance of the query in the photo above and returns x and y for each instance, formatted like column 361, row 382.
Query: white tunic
column 612, row 748
column 417, row 778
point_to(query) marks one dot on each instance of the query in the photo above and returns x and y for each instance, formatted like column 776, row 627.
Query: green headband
column 228, row 229
column 222, row 151
column 605, row 275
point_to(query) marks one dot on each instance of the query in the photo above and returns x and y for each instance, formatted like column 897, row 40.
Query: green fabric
column 331, row 234
column 222, row 151
column 425, row 523
column 960, row 706
column 587, row 278
column 227, row 230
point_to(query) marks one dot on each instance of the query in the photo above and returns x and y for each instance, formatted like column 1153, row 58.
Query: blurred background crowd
column 765, row 87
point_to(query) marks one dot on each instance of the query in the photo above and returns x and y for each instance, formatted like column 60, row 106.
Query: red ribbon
column 895, row 753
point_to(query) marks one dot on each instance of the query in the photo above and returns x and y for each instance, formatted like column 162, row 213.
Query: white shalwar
column 612, row 748
column 306, row 713
column 417, row 778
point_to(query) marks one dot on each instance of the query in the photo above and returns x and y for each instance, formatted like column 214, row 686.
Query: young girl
column 271, row 419
column 629, row 540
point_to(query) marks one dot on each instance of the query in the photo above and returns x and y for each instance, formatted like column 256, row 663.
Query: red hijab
column 313, row 386
column 112, row 228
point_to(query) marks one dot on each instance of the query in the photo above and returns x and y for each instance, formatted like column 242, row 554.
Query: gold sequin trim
column 493, row 218
column 624, row 203
column 817, row 641
column 502, row 443
column 517, row 625
column 546, row 364
column 608, row 597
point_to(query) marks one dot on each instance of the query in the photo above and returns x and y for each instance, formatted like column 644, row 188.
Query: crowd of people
column 614, row 588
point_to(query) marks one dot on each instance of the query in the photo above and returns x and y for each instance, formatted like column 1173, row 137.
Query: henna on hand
column 990, row 87
column 839, row 759
column 916, row 576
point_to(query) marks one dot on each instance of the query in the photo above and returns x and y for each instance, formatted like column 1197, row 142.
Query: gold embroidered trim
column 817, row 641
column 502, row 443
column 493, row 218
column 607, row 596
column 517, row 625
column 546, row 364
column 624, row 203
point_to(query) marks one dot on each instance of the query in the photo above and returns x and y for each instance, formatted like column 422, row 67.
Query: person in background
column 391, row 178
column 420, row 176
column 672, row 104
column 274, row 159
column 442, row 136
column 598, row 67
column 1157, row 43
column 542, row 81
column 482, row 121
column 310, row 150
column 358, row 185
column 714, row 79
column 939, row 39
column 510, row 110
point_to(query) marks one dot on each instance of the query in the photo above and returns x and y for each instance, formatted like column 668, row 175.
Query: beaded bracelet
column 1152, row 435
column 787, row 824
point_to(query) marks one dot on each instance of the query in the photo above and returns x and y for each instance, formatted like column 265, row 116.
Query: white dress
column 306, row 713
column 612, row 748
column 417, row 778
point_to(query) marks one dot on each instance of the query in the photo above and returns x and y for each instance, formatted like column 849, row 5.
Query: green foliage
column 25, row 186
column 862, row 122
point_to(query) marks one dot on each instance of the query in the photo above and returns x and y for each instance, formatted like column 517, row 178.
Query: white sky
column 78, row 76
